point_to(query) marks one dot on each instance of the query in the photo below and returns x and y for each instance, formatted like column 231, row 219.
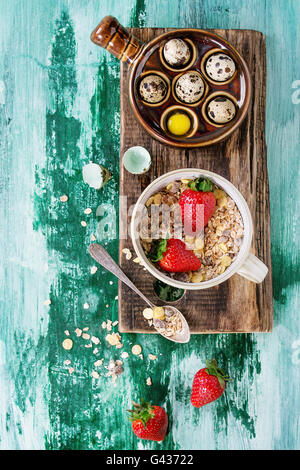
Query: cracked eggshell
column 95, row 175
column 189, row 87
column 220, row 67
column 221, row 110
column 176, row 52
column 153, row 88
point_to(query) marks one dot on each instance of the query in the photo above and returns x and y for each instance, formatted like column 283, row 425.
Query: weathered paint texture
column 59, row 109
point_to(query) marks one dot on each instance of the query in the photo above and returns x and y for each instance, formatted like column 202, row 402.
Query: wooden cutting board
column 237, row 305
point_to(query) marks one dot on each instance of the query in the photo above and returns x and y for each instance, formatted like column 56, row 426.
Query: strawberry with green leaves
column 197, row 205
column 208, row 384
column 148, row 421
column 173, row 256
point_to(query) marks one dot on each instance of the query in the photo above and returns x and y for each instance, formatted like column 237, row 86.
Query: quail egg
column 153, row 88
column 220, row 67
column 177, row 52
column 221, row 110
column 189, row 87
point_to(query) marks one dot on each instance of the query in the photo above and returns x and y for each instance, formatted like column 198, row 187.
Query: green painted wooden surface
column 59, row 108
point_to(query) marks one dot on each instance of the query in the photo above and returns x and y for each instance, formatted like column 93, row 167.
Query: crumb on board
column 98, row 363
column 149, row 381
column 127, row 253
column 67, row 344
column 95, row 374
column 136, row 349
column 114, row 339
column 95, row 340
column 152, row 357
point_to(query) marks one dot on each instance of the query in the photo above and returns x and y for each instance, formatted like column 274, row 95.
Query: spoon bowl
column 104, row 259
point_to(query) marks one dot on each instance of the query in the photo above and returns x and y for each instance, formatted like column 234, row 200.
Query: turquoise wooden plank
column 59, row 108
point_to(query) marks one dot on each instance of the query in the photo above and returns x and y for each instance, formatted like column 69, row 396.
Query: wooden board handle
column 111, row 35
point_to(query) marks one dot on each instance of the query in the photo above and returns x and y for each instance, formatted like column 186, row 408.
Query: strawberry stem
column 143, row 412
column 213, row 369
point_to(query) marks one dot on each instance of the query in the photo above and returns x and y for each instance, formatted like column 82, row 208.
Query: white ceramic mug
column 245, row 264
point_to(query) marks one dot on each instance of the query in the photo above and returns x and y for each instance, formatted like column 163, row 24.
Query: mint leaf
column 157, row 250
column 204, row 185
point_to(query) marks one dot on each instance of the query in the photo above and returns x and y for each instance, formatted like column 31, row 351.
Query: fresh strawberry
column 208, row 384
column 148, row 422
column 173, row 256
column 197, row 205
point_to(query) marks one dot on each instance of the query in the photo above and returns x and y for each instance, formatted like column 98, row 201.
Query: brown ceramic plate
column 146, row 58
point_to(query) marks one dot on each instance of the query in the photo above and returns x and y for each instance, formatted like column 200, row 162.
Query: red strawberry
column 149, row 422
column 208, row 384
column 195, row 216
column 173, row 256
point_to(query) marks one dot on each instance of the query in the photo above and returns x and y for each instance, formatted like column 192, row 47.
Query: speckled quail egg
column 220, row 67
column 189, row 87
column 177, row 52
column 221, row 110
column 153, row 88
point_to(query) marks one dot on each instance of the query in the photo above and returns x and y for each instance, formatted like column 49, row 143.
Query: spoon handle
column 102, row 257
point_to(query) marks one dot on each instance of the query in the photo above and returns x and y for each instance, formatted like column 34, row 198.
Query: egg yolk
column 179, row 124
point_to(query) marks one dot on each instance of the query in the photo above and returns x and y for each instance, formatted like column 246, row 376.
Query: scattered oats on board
column 67, row 344
column 86, row 306
column 78, row 332
column 152, row 357
column 114, row 339
column 86, row 336
column 95, row 340
column 108, row 325
column 67, row 333
column 88, row 210
column 114, row 369
column 124, row 355
column 115, row 323
column 86, row 328
column 104, row 325
column 149, row 381
column 64, row 198
column 111, row 283
column 88, row 345
column 94, row 269
column 71, row 370
column 136, row 349
column 127, row 253
column 95, row 351
column 98, row 363
column 93, row 238
column 148, row 313
column 83, row 223
column 116, row 298
column 47, row 302
column 67, row 362
column 95, row 374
